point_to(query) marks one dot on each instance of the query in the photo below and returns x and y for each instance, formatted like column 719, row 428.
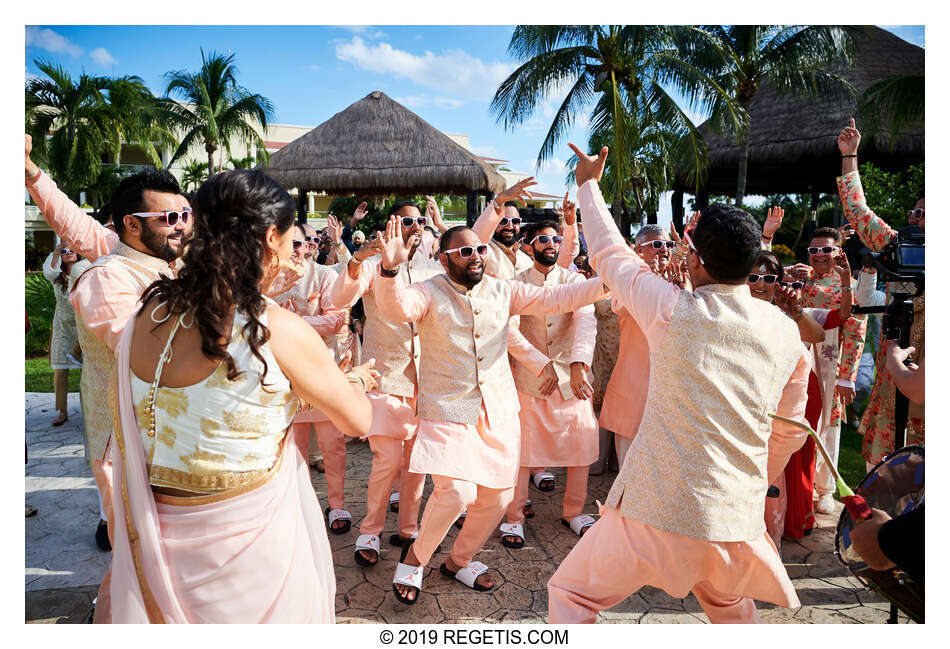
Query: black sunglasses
column 506, row 220
column 66, row 251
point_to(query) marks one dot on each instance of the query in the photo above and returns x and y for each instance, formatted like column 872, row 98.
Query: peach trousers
column 575, row 494
column 390, row 461
column 606, row 567
column 448, row 499
column 332, row 444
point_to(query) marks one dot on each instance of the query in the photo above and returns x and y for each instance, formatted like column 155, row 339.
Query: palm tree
column 624, row 71
column 79, row 118
column 895, row 103
column 794, row 59
column 215, row 107
column 193, row 174
column 139, row 118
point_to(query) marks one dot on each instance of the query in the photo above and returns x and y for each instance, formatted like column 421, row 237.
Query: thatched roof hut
column 792, row 145
column 378, row 147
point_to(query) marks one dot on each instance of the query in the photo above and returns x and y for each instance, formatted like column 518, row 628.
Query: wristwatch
column 388, row 273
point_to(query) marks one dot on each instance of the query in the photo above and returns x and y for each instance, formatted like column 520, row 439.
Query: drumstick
column 857, row 506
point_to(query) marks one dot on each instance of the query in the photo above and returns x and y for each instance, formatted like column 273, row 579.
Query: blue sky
column 447, row 75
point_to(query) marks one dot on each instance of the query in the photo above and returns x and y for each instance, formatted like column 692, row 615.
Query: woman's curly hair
column 222, row 261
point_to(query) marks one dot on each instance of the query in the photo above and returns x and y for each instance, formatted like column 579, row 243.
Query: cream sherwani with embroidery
column 686, row 511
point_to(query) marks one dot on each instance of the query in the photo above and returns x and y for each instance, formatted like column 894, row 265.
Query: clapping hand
column 548, row 380
column 588, row 168
column 896, row 355
column 786, row 298
column 394, row 250
column 843, row 268
column 849, row 139
column 368, row 374
column 334, row 229
column 773, row 221
column 518, row 191
column 359, row 214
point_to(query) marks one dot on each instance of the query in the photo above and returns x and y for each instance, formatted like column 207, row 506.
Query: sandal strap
column 394, row 497
column 367, row 542
column 338, row 514
column 512, row 529
column 579, row 523
column 470, row 573
column 408, row 575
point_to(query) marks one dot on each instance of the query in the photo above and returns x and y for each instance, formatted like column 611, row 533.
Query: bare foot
column 370, row 555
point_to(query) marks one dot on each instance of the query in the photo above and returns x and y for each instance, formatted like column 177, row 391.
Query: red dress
column 800, row 470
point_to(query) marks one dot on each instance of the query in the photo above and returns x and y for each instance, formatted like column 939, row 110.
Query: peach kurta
column 626, row 392
column 481, row 446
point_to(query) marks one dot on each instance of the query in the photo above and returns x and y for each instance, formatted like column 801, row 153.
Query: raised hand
column 368, row 374
column 30, row 166
column 580, row 381
column 849, row 139
column 334, row 229
column 843, row 268
column 588, row 168
column 394, row 250
column 846, row 231
column 773, row 221
column 786, row 298
column 288, row 274
column 799, row 271
column 569, row 209
column 693, row 220
column 518, row 191
column 674, row 235
column 359, row 214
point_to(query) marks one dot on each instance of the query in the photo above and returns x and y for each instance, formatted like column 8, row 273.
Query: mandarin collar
column 141, row 258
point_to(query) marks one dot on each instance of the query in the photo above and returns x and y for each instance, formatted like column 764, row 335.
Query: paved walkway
column 64, row 566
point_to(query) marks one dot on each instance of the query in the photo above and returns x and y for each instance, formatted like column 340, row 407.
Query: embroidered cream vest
column 697, row 466
column 395, row 345
column 464, row 358
column 498, row 264
column 552, row 334
column 98, row 360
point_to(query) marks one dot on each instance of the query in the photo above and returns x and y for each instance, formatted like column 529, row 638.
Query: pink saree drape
column 255, row 553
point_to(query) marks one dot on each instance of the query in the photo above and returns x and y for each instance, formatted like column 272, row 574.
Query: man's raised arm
column 484, row 226
column 83, row 233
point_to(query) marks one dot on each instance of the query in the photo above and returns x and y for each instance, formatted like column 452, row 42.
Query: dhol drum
column 896, row 486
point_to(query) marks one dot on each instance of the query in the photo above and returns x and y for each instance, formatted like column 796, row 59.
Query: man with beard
column 558, row 427
column 152, row 221
column 626, row 391
column 395, row 347
column 838, row 356
column 468, row 438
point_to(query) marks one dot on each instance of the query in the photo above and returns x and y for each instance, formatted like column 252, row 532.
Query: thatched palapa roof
column 377, row 147
column 792, row 141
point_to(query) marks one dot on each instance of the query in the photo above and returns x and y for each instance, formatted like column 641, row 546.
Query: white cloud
column 412, row 101
column 101, row 56
column 364, row 30
column 446, row 102
column 488, row 151
column 30, row 76
column 47, row 39
column 453, row 71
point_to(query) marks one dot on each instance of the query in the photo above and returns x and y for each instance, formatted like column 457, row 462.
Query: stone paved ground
column 63, row 566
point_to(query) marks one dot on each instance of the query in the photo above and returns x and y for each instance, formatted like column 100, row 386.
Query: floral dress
column 877, row 424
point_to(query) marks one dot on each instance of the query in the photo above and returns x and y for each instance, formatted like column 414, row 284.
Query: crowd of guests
column 242, row 346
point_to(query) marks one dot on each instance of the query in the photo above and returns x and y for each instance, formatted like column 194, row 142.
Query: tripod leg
column 893, row 618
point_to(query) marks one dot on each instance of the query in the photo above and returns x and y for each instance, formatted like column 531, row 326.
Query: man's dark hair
column 511, row 203
column 104, row 214
column 527, row 231
column 129, row 196
column 377, row 227
column 398, row 205
column 540, row 225
column 728, row 240
column 445, row 241
column 826, row 233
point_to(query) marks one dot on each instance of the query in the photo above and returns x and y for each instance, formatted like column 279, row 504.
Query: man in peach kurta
column 309, row 297
column 558, row 427
column 468, row 438
column 686, row 511
column 395, row 348
column 107, row 294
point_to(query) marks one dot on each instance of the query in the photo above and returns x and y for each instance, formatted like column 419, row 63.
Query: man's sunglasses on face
column 545, row 239
column 172, row 217
column 297, row 243
column 513, row 221
column 407, row 221
column 467, row 251
column 657, row 244
column 916, row 213
column 814, row 250
column 311, row 239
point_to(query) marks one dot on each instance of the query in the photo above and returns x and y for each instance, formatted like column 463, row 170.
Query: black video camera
column 904, row 255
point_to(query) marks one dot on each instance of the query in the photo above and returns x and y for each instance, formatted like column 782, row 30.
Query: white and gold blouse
column 216, row 434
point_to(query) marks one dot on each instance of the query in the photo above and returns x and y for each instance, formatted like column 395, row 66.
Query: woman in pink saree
column 215, row 519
